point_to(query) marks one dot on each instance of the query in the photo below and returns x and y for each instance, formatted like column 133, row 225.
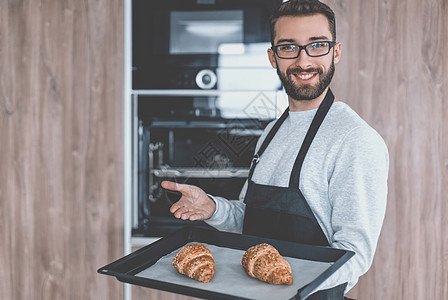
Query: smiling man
column 305, row 76
column 319, row 174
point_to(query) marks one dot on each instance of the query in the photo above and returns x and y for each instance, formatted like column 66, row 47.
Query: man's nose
column 303, row 60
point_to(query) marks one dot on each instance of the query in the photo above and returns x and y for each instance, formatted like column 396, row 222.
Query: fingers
column 181, row 208
column 182, row 213
column 178, row 206
column 186, row 213
column 192, row 203
column 197, row 217
column 173, row 186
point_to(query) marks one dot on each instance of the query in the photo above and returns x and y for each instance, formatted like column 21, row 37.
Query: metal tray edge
column 230, row 240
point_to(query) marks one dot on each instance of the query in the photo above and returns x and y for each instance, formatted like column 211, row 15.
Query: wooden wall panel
column 61, row 133
column 394, row 73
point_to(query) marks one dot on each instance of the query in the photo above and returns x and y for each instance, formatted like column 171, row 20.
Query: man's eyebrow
column 311, row 39
column 319, row 38
column 280, row 41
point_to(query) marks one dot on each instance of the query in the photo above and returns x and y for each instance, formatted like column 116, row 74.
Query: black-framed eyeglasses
column 314, row 49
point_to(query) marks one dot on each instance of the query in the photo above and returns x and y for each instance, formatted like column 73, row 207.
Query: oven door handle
column 201, row 173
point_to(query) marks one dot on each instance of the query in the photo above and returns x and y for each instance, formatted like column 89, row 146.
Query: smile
column 305, row 77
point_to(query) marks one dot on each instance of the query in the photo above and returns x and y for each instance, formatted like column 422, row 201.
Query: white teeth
column 305, row 77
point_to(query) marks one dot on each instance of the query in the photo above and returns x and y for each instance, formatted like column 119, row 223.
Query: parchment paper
column 231, row 279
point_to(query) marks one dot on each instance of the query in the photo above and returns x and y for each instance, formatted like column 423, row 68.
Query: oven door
column 207, row 141
column 205, row 154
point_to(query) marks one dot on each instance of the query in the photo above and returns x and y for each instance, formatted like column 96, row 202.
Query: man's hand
column 194, row 204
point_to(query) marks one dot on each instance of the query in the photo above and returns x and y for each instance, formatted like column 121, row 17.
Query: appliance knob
column 206, row 79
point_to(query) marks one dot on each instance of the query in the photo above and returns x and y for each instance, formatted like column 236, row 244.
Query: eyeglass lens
column 312, row 49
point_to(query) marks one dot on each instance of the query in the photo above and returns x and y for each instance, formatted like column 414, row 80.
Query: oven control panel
column 204, row 79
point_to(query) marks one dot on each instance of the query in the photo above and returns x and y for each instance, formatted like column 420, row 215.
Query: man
column 319, row 175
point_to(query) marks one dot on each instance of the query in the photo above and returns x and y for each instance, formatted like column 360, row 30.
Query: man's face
column 304, row 77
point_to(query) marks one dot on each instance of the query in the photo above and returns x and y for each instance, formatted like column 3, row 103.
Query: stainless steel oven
column 204, row 140
column 201, row 92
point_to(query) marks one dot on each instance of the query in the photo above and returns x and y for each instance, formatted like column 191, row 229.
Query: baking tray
column 151, row 267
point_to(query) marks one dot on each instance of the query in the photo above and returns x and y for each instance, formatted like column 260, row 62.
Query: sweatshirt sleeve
column 229, row 214
column 358, row 195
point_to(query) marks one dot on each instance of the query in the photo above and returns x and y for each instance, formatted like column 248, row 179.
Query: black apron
column 282, row 212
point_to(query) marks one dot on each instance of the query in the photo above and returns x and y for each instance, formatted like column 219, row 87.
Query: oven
column 201, row 44
column 202, row 91
column 204, row 140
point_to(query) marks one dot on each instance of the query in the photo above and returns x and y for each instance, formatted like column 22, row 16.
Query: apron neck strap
column 322, row 111
column 267, row 140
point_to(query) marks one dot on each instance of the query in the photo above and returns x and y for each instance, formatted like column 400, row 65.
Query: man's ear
column 271, row 57
column 337, row 52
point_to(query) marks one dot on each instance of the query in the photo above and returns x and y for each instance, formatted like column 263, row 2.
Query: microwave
column 202, row 45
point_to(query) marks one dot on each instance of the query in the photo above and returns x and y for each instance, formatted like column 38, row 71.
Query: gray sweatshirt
column 343, row 179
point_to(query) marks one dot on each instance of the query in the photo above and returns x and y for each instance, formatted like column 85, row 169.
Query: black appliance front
column 177, row 44
column 193, row 140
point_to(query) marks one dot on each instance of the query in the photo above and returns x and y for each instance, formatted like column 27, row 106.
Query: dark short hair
column 300, row 8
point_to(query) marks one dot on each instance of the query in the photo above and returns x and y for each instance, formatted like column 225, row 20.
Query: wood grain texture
column 61, row 148
column 61, row 133
column 394, row 74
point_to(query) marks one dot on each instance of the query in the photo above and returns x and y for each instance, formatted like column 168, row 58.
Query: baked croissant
column 196, row 261
column 263, row 262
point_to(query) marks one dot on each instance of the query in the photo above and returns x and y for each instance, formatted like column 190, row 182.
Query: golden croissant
column 196, row 261
column 265, row 263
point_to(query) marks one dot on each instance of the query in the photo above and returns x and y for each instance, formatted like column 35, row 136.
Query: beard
column 306, row 91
